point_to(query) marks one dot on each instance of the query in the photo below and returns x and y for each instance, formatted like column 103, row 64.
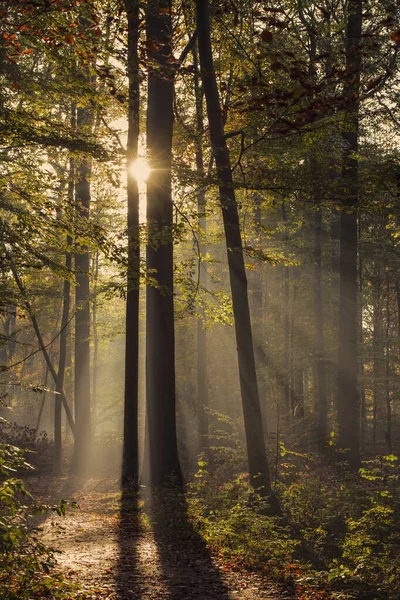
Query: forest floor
column 120, row 548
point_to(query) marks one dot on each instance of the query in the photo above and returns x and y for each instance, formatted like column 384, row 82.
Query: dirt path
column 140, row 557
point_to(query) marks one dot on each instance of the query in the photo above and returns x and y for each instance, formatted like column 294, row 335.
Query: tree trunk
column 286, row 383
column 296, row 367
column 82, row 447
column 130, row 461
column 319, row 333
column 258, row 466
column 162, row 450
column 202, row 375
column 61, row 365
column 256, row 283
column 95, row 336
column 376, row 347
column 62, row 361
column 348, row 420
column 363, row 406
column 388, row 433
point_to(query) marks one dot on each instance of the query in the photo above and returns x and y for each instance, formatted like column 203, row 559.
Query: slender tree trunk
column 163, row 460
column 296, row 368
column 319, row 333
column 202, row 375
column 388, row 433
column 61, row 365
column 35, row 324
column 258, row 466
column 62, row 361
column 256, row 283
column 347, row 369
column 376, row 346
column 130, row 462
column 95, row 336
column 363, row 407
column 286, row 383
column 83, row 435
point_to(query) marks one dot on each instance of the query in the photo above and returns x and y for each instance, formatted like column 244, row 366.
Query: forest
column 199, row 299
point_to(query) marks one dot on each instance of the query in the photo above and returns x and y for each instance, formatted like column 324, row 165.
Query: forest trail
column 138, row 555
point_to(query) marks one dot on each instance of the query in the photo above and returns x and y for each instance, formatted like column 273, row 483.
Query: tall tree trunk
column 319, row 332
column 61, row 365
column 95, row 336
column 348, row 420
column 363, row 406
column 130, row 461
column 163, row 460
column 376, row 351
column 62, row 361
column 258, row 466
column 388, row 433
column 83, row 435
column 256, row 282
column 202, row 375
column 286, row 383
column 296, row 367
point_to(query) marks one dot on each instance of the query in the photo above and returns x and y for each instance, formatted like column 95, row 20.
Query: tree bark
column 256, row 282
column 348, row 418
column 363, row 406
column 202, row 376
column 130, row 461
column 61, row 366
column 319, row 333
column 258, row 466
column 286, row 380
column 82, row 447
column 388, row 433
column 376, row 351
column 162, row 450
column 95, row 335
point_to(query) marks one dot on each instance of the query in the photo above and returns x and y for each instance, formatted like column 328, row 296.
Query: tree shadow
column 128, row 579
column 187, row 566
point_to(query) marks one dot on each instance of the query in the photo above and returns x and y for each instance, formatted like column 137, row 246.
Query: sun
column 140, row 169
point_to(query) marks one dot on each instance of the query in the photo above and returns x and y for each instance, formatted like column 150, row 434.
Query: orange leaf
column 28, row 51
column 395, row 35
column 69, row 38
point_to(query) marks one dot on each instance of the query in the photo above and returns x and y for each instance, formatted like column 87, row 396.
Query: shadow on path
column 128, row 579
column 186, row 564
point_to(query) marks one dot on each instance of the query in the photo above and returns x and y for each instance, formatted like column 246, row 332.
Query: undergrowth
column 338, row 535
column 27, row 565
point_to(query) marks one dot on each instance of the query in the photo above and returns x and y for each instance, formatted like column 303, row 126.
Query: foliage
column 338, row 535
column 26, row 562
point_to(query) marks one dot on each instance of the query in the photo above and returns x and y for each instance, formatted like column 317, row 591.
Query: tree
column 130, row 464
column 202, row 376
column 83, row 171
column 258, row 466
column 348, row 367
column 161, row 448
